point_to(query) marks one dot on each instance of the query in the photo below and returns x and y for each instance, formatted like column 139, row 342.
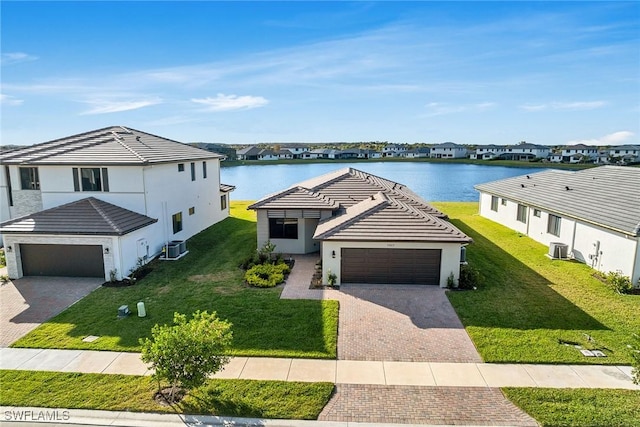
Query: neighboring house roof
column 249, row 151
column 226, row 188
column 606, row 196
column 346, row 187
column 114, row 145
column 384, row 218
column 527, row 146
column 89, row 216
column 448, row 145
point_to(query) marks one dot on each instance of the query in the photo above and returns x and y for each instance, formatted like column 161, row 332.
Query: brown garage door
column 62, row 260
column 393, row 266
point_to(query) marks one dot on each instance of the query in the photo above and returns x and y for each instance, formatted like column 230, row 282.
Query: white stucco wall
column 449, row 263
column 619, row 251
column 304, row 244
column 126, row 187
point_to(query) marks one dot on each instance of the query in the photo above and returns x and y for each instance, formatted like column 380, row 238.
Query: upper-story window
column 193, row 171
column 180, row 167
column 204, row 170
column 29, row 179
column 90, row 179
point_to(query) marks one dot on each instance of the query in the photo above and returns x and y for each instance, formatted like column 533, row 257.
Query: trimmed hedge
column 266, row 275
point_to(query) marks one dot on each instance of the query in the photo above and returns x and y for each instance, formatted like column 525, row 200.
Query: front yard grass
column 208, row 278
column 578, row 407
column 529, row 304
column 237, row 398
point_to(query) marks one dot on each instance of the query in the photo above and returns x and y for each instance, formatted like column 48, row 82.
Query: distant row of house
column 579, row 153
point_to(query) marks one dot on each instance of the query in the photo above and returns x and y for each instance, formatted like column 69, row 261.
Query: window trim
column 33, row 178
column 287, row 230
column 176, row 219
column 78, row 184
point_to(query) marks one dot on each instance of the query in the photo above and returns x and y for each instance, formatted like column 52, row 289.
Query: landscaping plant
column 185, row 354
column 635, row 356
column 619, row 283
column 266, row 275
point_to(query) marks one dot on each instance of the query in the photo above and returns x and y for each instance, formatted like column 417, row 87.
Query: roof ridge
column 121, row 141
column 95, row 205
column 382, row 200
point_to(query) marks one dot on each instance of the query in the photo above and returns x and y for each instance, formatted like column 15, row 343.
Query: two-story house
column 448, row 150
column 98, row 203
column 625, row 153
column 579, row 153
column 524, row 151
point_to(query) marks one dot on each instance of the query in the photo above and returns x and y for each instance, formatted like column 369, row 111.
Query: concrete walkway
column 339, row 371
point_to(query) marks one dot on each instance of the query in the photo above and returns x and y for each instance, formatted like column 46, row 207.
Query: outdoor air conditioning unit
column 558, row 250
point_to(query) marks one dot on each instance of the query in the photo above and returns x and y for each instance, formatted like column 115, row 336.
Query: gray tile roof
column 384, row 218
column 607, row 196
column 88, row 216
column 226, row 188
column 114, row 145
column 346, row 187
column 295, row 198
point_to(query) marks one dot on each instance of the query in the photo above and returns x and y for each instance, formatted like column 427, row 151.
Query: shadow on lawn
column 514, row 296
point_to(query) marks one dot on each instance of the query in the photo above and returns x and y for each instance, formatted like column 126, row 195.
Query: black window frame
column 223, row 202
column 82, row 183
column 176, row 219
column 283, row 228
column 192, row 210
column 30, row 177
column 537, row 213
column 193, row 171
column 503, row 202
column 180, row 167
column 204, row 170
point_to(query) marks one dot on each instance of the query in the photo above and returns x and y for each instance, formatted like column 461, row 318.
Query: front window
column 283, row 228
column 29, row 179
column 494, row 203
column 553, row 225
column 90, row 179
column 177, row 222
column 522, row 214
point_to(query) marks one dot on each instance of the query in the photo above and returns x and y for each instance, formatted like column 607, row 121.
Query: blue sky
column 246, row 72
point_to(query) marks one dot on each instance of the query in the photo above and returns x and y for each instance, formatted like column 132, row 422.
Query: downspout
column 573, row 240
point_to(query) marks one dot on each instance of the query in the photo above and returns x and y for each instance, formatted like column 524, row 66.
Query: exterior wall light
column 106, row 251
column 9, row 249
column 333, row 254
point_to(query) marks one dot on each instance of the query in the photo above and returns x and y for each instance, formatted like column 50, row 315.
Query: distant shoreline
column 504, row 163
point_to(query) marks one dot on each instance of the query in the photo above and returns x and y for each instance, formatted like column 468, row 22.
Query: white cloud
column 10, row 100
column 11, row 58
column 564, row 106
column 615, row 138
column 102, row 106
column 224, row 102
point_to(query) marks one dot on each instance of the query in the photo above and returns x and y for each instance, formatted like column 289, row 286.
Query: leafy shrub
column 185, row 354
column 619, row 283
column 261, row 256
column 3, row 259
column 469, row 277
column 266, row 275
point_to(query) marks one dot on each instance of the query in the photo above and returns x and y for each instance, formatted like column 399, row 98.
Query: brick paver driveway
column 26, row 303
column 403, row 323
column 389, row 322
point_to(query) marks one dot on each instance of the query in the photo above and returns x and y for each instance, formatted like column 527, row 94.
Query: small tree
column 185, row 354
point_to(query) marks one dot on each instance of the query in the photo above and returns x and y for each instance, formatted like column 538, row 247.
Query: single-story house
column 368, row 229
column 593, row 213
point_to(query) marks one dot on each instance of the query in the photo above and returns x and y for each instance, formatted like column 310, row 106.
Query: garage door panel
column 392, row 266
column 62, row 260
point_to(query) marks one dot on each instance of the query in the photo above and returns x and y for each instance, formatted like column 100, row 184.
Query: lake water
column 432, row 181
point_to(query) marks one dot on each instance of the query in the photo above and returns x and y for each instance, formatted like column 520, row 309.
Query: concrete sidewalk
column 339, row 371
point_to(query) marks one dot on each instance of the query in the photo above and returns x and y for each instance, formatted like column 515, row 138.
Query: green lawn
column 578, row 407
column 238, row 398
column 208, row 278
column 528, row 302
